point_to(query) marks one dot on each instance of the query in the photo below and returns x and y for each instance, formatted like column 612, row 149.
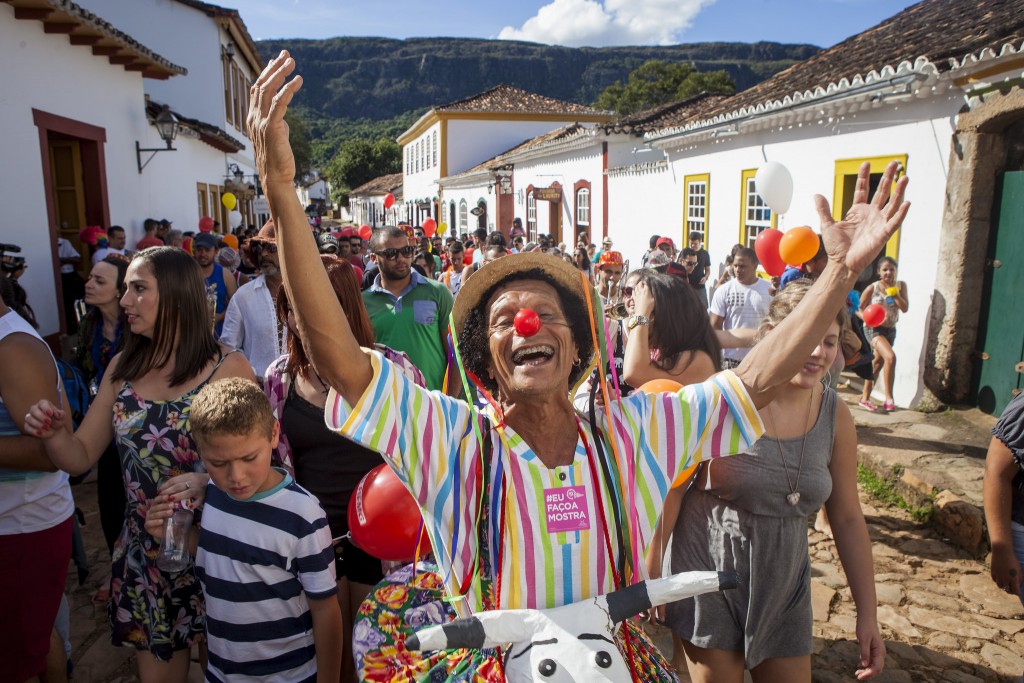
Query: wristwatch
column 635, row 320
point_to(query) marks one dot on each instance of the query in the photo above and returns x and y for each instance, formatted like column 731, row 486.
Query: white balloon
column 775, row 185
column 234, row 219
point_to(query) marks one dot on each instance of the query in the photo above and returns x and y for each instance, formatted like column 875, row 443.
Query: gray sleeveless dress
column 736, row 518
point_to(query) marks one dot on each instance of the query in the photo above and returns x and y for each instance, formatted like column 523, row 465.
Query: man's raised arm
column 851, row 244
column 322, row 324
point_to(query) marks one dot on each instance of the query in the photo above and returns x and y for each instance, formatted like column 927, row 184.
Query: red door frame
column 94, row 185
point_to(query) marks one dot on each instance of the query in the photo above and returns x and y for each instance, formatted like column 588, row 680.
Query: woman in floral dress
column 169, row 354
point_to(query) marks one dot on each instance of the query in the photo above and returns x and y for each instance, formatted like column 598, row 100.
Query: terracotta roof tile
column 87, row 29
column 941, row 31
column 668, row 115
column 391, row 183
column 506, row 99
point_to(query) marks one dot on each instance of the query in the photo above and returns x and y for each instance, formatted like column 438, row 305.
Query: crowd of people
column 252, row 380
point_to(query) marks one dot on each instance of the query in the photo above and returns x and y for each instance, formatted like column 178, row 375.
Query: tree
column 656, row 82
column 298, row 136
column 359, row 161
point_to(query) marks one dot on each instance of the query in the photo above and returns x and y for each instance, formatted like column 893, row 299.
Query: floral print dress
column 149, row 609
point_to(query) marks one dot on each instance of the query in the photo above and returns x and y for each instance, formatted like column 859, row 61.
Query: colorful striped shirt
column 554, row 547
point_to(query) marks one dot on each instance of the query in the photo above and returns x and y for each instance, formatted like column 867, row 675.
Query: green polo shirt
column 414, row 322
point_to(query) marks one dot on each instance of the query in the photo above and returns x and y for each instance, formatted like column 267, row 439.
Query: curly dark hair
column 473, row 341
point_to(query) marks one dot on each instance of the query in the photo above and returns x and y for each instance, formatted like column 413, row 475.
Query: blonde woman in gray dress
column 749, row 514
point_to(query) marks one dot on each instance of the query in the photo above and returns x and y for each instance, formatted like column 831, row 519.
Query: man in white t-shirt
column 115, row 244
column 740, row 303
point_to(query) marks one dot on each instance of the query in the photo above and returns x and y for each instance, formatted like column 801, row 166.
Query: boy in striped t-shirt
column 265, row 557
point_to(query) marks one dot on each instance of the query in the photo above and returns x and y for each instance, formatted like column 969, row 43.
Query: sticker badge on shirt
column 566, row 509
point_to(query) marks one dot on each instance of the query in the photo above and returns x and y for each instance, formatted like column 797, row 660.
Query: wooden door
column 555, row 222
column 68, row 194
column 1001, row 333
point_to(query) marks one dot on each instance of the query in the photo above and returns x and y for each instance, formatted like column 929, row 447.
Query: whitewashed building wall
column 81, row 87
column 921, row 130
column 567, row 168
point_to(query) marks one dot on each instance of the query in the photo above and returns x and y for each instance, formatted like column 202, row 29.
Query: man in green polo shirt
column 409, row 312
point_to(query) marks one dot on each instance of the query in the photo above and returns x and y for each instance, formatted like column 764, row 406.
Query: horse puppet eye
column 547, row 667
column 603, row 659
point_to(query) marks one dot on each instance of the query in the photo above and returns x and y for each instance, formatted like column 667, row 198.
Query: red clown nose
column 527, row 322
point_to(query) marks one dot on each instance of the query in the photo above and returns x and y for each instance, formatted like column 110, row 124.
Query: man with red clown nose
column 488, row 479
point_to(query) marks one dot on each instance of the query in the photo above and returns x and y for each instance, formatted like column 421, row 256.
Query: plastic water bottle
column 174, row 555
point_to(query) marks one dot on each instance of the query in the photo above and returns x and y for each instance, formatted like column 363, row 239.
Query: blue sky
column 572, row 22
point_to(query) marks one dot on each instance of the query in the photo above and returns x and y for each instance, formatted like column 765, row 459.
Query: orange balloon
column 660, row 386
column 683, row 476
column 798, row 245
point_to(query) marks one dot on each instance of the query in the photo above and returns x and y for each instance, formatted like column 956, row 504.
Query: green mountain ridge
column 372, row 87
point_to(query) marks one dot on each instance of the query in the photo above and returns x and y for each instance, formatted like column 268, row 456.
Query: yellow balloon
column 441, row 228
column 229, row 201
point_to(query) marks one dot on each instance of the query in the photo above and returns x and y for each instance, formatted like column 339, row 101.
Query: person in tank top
column 328, row 465
column 749, row 514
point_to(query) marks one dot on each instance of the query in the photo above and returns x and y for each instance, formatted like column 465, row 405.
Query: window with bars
column 430, row 152
column 583, row 208
column 696, row 206
column 531, row 216
column 463, row 216
column 756, row 214
column 435, row 149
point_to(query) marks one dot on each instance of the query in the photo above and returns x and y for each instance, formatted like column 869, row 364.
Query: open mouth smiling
column 533, row 355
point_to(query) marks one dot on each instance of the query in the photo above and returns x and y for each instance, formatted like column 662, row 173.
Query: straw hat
column 470, row 295
column 567, row 278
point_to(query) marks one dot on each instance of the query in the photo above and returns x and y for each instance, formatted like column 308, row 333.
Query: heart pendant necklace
column 793, row 497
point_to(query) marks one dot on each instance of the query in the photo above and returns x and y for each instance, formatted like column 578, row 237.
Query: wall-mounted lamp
column 167, row 126
column 229, row 50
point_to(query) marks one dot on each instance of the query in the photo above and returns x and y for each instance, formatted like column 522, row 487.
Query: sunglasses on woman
column 392, row 253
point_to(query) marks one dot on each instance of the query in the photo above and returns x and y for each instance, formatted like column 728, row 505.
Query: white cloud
column 608, row 22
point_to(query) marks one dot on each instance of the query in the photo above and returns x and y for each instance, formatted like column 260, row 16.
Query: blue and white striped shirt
column 259, row 560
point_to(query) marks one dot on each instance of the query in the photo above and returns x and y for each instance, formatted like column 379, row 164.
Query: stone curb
column 961, row 521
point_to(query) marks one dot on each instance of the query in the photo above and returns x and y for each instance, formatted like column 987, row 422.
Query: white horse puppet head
column 569, row 643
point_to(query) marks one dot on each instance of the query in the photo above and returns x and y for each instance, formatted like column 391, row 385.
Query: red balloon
column 766, row 246
column 365, row 231
column 526, row 322
column 798, row 245
column 384, row 519
column 429, row 227
column 389, row 200
column 205, row 224
column 874, row 315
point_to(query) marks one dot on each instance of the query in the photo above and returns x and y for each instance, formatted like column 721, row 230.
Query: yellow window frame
column 696, row 178
column 745, row 176
column 845, row 184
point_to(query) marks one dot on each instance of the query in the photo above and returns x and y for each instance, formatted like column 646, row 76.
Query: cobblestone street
column 942, row 617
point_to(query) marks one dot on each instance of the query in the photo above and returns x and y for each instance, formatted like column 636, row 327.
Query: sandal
column 889, row 406
column 868, row 405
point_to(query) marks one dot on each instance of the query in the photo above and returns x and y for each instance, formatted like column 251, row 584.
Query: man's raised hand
column 269, row 98
column 855, row 241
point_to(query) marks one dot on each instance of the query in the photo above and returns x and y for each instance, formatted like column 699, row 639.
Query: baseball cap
column 328, row 243
column 665, row 240
column 658, row 258
column 205, row 239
